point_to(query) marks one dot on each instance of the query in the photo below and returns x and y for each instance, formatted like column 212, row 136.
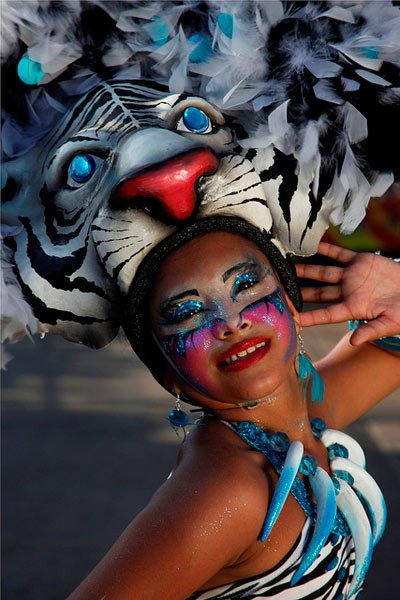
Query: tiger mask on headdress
column 133, row 160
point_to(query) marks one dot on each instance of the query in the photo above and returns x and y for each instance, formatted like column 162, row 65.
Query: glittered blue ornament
column 82, row 168
column 195, row 120
column 178, row 419
column 29, row 71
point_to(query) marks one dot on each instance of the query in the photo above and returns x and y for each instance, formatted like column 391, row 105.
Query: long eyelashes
column 243, row 281
column 177, row 313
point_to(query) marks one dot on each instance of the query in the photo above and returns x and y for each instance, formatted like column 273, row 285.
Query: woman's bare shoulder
column 222, row 472
column 208, row 514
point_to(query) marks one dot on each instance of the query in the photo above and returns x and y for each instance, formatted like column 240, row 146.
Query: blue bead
column 225, row 22
column 334, row 539
column 336, row 485
column 370, row 52
column 158, row 31
column 336, row 449
column 332, row 564
column 178, row 418
column 347, row 477
column 195, row 120
column 308, row 465
column 318, row 425
column 342, row 574
column 82, row 168
column 202, row 49
column 29, row 71
column 279, row 441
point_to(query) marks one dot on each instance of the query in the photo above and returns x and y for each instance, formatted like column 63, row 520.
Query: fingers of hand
column 383, row 326
column 320, row 272
column 336, row 252
column 338, row 313
column 328, row 293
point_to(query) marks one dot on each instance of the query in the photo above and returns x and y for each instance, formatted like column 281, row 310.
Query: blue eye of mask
column 195, row 120
column 182, row 311
column 82, row 168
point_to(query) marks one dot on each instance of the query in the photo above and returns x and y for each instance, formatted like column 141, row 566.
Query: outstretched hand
column 366, row 287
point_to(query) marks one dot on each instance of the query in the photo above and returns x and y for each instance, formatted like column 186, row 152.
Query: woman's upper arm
column 356, row 379
column 193, row 527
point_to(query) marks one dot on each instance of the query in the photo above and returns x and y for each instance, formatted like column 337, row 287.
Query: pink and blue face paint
column 195, row 321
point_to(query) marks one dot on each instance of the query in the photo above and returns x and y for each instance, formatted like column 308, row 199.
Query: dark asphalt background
column 86, row 443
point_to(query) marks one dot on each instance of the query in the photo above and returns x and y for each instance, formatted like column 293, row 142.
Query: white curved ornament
column 369, row 489
column 285, row 482
column 356, row 454
column 325, row 496
column 357, row 520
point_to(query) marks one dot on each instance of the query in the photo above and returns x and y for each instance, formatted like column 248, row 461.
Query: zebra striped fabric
column 328, row 579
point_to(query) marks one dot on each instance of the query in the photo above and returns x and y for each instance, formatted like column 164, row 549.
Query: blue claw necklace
column 340, row 500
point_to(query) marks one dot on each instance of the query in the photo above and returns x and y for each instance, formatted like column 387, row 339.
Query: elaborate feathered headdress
column 315, row 84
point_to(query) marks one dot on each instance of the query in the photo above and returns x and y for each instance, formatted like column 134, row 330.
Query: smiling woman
column 223, row 317
column 267, row 499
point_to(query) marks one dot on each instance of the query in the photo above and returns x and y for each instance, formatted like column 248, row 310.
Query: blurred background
column 85, row 443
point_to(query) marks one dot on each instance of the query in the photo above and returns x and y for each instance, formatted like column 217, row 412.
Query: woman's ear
column 294, row 312
column 169, row 381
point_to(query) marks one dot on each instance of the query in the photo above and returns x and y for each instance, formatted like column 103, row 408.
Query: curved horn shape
column 357, row 520
column 325, row 496
column 369, row 489
column 286, row 479
column 356, row 453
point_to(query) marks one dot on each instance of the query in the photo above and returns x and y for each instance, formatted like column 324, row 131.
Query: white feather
column 17, row 318
column 355, row 123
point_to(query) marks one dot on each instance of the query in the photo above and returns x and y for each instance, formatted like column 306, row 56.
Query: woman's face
column 222, row 320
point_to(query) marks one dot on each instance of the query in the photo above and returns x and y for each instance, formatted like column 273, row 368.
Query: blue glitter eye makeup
column 243, row 281
column 81, row 168
column 195, row 120
column 173, row 315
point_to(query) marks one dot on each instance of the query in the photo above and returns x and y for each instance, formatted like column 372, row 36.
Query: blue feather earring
column 308, row 375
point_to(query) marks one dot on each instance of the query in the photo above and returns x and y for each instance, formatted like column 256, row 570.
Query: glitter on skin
column 188, row 348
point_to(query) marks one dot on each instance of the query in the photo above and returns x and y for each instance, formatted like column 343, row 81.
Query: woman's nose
column 230, row 327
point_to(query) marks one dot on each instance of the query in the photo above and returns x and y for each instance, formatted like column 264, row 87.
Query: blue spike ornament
column 282, row 491
column 338, row 509
column 324, row 492
column 354, row 513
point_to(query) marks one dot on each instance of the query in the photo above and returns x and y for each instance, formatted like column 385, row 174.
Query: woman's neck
column 284, row 410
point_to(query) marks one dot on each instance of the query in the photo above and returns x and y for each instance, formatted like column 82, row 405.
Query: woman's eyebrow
column 236, row 269
column 180, row 296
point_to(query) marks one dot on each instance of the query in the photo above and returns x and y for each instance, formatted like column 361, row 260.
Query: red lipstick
column 244, row 354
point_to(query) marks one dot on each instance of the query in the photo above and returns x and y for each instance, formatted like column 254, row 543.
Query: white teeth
column 250, row 350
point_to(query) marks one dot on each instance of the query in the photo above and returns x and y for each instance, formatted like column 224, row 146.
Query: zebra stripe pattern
column 77, row 249
column 328, row 579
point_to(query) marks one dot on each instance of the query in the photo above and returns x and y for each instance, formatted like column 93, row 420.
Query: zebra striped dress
column 328, row 579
